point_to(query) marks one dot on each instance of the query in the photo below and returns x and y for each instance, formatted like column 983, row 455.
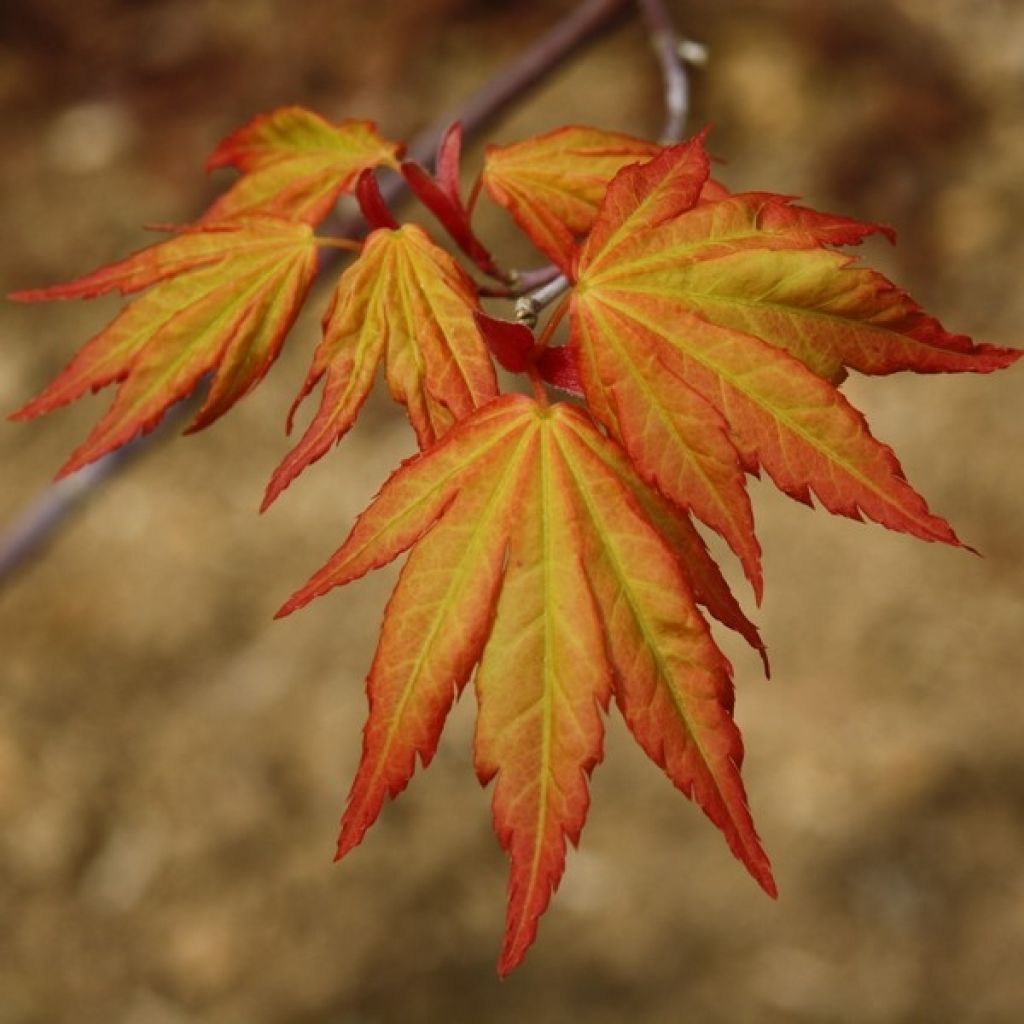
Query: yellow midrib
column 550, row 681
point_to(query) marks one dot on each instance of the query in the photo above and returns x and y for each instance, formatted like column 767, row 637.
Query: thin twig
column 41, row 520
column 522, row 74
column 47, row 512
column 669, row 49
column 530, row 279
column 525, row 281
column 666, row 43
column 551, row 326
column 528, row 306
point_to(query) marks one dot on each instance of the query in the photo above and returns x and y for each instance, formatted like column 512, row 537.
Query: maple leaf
column 552, row 184
column 405, row 301
column 534, row 555
column 295, row 164
column 710, row 332
column 223, row 297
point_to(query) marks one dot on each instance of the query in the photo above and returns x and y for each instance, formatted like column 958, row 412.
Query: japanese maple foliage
column 552, row 548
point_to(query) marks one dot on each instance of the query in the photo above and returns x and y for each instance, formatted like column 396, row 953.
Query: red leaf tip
column 371, row 202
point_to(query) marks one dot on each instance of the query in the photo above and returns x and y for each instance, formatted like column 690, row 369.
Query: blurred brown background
column 172, row 763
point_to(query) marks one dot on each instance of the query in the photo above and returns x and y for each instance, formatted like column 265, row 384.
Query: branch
column 673, row 53
column 522, row 74
column 41, row 520
column 668, row 47
column 44, row 516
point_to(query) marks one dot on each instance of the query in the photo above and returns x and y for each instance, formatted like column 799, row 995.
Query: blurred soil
column 172, row 763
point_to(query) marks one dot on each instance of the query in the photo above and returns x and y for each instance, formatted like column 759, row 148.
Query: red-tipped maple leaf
column 553, row 184
column 407, row 302
column 295, row 164
column 534, row 554
column 708, row 335
column 223, row 298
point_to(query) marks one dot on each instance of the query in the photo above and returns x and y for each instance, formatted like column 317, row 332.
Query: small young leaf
column 443, row 199
column 372, row 204
column 511, row 343
column 407, row 302
column 558, row 366
column 553, row 184
column 449, row 162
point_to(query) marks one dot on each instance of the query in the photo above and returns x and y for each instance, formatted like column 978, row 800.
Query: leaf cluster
column 553, row 553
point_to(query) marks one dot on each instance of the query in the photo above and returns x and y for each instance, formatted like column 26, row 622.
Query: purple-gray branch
column 44, row 516
column 666, row 43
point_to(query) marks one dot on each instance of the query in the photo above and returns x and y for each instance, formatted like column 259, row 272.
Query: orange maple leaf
column 224, row 296
column 552, row 184
column 295, row 164
column 532, row 554
column 709, row 333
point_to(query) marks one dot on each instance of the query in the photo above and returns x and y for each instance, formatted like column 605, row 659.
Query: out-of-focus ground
column 172, row 763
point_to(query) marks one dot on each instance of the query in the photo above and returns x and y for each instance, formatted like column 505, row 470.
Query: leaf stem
column 551, row 326
column 525, row 280
column 474, row 195
column 540, row 392
column 348, row 244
